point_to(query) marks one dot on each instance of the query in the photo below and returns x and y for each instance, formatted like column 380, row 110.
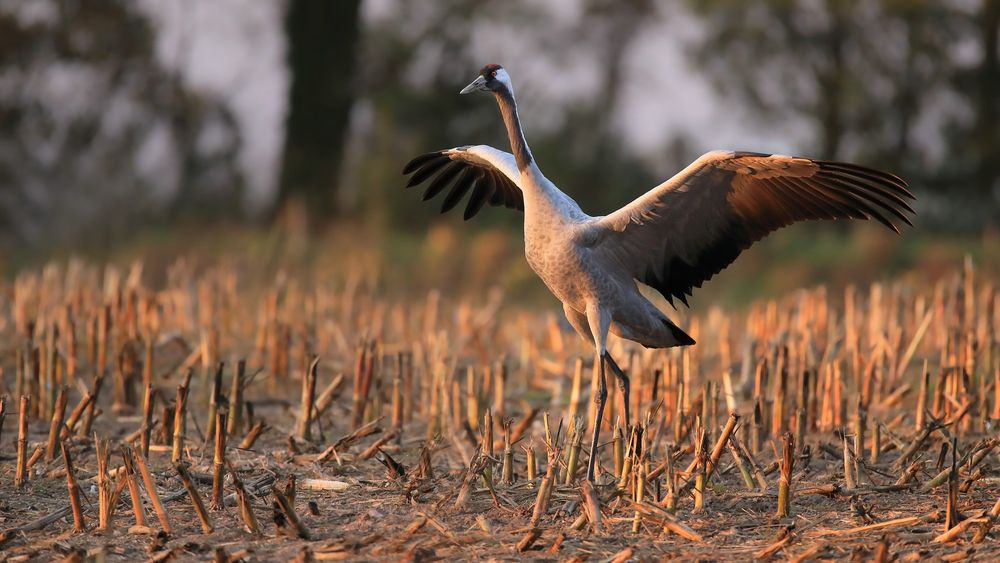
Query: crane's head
column 492, row 78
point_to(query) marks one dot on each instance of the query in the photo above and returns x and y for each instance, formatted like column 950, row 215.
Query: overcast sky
column 236, row 48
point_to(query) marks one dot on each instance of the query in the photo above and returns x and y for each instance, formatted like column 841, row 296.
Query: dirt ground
column 383, row 519
column 809, row 364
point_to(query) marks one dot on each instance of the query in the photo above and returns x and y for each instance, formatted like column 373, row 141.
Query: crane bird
column 673, row 238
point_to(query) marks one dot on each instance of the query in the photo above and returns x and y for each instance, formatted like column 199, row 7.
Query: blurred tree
column 93, row 143
column 860, row 73
column 867, row 76
column 416, row 57
column 603, row 167
column 987, row 124
column 410, row 105
column 972, row 136
column 322, row 48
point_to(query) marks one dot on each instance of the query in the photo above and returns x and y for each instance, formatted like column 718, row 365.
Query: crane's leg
column 601, row 399
column 599, row 324
column 623, row 385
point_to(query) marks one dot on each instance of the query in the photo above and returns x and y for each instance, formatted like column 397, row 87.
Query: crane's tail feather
column 680, row 337
column 668, row 335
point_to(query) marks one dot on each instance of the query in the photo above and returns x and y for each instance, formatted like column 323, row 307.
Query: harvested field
column 211, row 417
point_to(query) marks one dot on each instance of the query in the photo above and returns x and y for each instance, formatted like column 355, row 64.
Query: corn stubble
column 862, row 422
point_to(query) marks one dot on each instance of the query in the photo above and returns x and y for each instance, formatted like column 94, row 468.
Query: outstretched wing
column 490, row 174
column 684, row 231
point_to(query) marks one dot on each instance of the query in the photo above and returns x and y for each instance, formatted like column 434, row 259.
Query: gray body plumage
column 566, row 248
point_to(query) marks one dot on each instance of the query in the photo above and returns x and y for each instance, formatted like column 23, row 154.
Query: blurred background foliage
column 277, row 130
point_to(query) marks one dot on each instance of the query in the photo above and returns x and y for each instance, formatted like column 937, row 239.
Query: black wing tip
column 890, row 190
column 425, row 167
column 488, row 185
column 887, row 178
column 896, row 180
column 419, row 160
column 465, row 181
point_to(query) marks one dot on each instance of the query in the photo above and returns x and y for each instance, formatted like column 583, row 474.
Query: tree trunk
column 322, row 48
column 987, row 139
column 831, row 83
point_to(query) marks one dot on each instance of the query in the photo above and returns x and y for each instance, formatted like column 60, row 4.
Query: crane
column 673, row 238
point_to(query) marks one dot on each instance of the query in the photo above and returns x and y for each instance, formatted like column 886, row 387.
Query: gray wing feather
column 684, row 231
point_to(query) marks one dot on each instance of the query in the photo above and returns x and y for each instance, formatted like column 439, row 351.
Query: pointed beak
column 478, row 84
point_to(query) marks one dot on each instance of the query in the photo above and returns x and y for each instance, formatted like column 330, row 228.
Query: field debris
column 816, row 426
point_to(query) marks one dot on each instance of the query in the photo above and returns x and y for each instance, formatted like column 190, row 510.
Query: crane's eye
column 493, row 74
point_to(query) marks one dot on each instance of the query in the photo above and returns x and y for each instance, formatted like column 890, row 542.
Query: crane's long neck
column 542, row 199
column 508, row 109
